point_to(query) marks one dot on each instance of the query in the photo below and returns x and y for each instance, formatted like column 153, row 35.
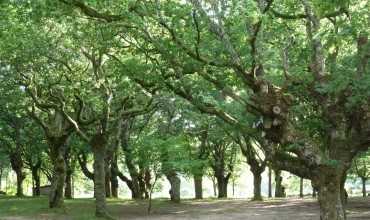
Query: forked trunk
column 198, row 186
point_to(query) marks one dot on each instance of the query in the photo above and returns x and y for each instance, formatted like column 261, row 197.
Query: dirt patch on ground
column 243, row 210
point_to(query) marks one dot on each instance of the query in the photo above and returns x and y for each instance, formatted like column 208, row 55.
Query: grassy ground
column 12, row 208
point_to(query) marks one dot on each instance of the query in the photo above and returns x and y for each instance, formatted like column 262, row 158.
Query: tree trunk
column 69, row 173
column 257, row 179
column 279, row 192
column 270, row 182
column 114, row 177
column 16, row 163
column 36, row 179
column 363, row 180
column 314, row 192
column 175, row 186
column 330, row 195
column 98, row 144
column 1, row 177
column 56, row 193
column 301, row 188
column 222, row 183
column 20, row 178
column 107, row 182
column 214, row 184
column 198, row 186
column 68, row 187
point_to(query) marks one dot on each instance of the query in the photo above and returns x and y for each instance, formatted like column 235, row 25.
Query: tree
column 360, row 168
column 336, row 101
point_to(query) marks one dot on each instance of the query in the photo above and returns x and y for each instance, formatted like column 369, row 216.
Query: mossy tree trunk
column 331, row 194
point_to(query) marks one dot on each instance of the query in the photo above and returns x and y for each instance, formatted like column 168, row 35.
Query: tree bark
column 314, row 192
column 69, row 172
column 175, row 186
column 198, row 186
column 98, row 144
column 136, row 191
column 301, row 188
column 222, row 183
column 214, row 185
column 257, row 180
column 363, row 180
column 56, row 194
column 330, row 190
column 16, row 163
column 68, row 187
column 270, row 183
column 20, row 177
column 35, row 171
column 108, row 191
column 279, row 192
column 114, row 177
column 1, row 177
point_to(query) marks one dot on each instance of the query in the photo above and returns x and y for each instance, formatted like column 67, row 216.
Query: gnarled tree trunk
column 57, row 151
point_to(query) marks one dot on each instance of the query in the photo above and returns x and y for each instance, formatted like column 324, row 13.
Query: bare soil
column 289, row 209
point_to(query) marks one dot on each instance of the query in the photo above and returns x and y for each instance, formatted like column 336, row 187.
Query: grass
column 76, row 209
column 33, row 208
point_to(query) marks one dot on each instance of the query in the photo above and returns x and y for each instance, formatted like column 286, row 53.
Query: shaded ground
column 80, row 209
